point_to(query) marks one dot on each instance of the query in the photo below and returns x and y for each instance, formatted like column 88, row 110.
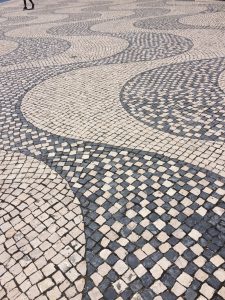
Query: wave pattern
column 112, row 150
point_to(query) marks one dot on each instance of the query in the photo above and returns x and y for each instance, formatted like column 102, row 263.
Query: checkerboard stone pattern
column 164, row 98
column 153, row 227
column 30, row 49
column 42, row 232
column 93, row 221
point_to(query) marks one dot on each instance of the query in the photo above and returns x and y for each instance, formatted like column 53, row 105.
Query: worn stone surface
column 112, row 153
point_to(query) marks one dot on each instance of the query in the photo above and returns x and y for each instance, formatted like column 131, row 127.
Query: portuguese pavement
column 112, row 150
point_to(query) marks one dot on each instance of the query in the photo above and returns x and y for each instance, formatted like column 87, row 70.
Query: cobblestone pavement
column 112, row 150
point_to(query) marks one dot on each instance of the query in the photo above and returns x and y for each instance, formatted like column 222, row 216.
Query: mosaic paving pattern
column 164, row 23
column 81, row 16
column 19, row 19
column 112, row 165
column 151, row 3
column 146, row 12
column 32, row 49
column 142, row 46
column 178, row 99
column 206, row 19
column 42, row 236
column 164, row 227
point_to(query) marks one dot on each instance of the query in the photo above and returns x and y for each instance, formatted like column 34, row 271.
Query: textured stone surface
column 112, row 180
